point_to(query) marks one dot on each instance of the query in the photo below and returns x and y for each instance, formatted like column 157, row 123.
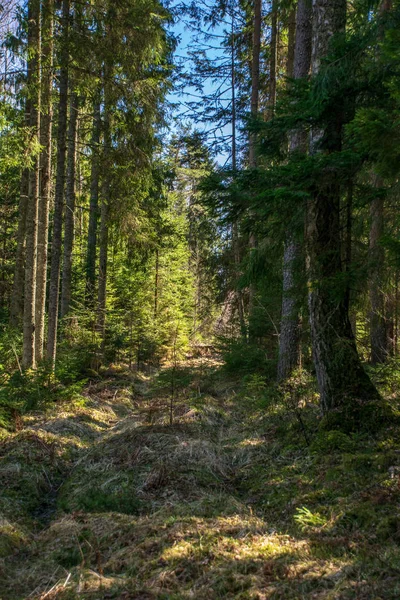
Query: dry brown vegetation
column 106, row 499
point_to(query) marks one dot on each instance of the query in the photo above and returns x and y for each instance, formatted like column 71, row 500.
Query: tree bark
column 290, row 334
column 45, row 172
column 378, row 329
column 59, row 191
column 17, row 295
column 340, row 375
column 255, row 78
column 235, row 233
column 94, row 205
column 105, row 203
column 31, row 230
column 255, row 87
column 69, row 219
column 273, row 58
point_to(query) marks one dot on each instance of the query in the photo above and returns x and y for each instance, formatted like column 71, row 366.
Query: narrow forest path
column 106, row 499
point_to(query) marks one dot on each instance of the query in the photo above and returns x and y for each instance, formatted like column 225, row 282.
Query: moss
column 96, row 500
column 355, row 416
column 332, row 441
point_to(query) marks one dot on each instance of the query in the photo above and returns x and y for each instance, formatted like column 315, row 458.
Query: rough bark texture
column 17, row 295
column 45, row 173
column 273, row 58
column 255, row 78
column 59, row 191
column 255, row 87
column 235, row 233
column 31, row 230
column 290, row 334
column 378, row 329
column 94, row 205
column 340, row 375
column 105, row 203
column 69, row 220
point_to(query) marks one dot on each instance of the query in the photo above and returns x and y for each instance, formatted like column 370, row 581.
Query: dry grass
column 115, row 504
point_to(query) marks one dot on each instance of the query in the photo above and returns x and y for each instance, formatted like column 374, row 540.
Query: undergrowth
column 242, row 496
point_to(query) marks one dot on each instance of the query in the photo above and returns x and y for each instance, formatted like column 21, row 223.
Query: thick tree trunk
column 378, row 330
column 45, row 172
column 17, row 295
column 290, row 334
column 59, row 192
column 69, row 220
column 94, row 205
column 340, row 374
column 31, row 230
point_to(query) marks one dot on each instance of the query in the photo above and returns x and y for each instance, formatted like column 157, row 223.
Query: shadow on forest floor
column 106, row 499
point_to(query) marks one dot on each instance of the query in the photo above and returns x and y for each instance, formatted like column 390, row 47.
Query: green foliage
column 242, row 358
column 305, row 518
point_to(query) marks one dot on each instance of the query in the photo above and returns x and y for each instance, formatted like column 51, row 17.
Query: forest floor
column 105, row 498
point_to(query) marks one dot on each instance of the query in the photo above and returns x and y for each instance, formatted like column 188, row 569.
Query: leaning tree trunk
column 340, row 375
column 45, row 172
column 31, row 230
column 70, row 193
column 59, row 191
column 94, row 205
column 290, row 334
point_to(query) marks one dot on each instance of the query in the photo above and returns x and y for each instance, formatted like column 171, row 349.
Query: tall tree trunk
column 235, row 231
column 255, row 78
column 255, row 88
column 379, row 327
column 94, row 205
column 45, row 172
column 105, row 203
column 290, row 334
column 59, row 192
column 28, row 349
column 69, row 219
column 273, row 58
column 156, row 277
column 340, row 375
column 17, row 294
column 378, row 330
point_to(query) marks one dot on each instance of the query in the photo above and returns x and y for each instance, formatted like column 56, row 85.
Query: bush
column 243, row 358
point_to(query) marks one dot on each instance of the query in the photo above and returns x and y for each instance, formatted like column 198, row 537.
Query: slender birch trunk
column 70, row 197
column 31, row 229
column 45, row 172
column 59, row 191
column 290, row 334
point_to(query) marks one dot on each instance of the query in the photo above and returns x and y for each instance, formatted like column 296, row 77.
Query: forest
column 199, row 299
